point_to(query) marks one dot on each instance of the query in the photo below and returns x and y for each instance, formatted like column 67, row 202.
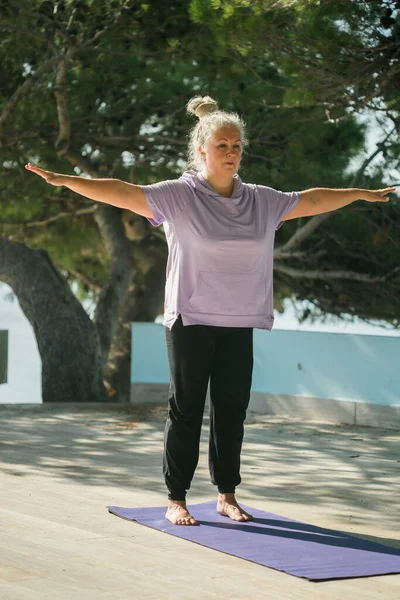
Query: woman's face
column 223, row 151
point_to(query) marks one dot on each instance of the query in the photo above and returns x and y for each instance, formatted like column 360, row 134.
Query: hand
column 377, row 195
column 48, row 176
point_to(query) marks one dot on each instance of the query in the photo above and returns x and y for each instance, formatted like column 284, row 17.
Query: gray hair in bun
column 210, row 120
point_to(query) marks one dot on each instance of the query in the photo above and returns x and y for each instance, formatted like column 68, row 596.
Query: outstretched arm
column 110, row 191
column 321, row 200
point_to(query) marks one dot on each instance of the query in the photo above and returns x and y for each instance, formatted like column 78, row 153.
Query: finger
column 37, row 170
column 32, row 167
column 382, row 196
column 386, row 190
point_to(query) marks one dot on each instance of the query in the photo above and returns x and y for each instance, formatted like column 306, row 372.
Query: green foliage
column 295, row 71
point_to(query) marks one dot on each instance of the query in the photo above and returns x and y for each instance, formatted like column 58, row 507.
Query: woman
column 220, row 234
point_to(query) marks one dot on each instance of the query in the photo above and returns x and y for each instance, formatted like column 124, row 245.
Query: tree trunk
column 121, row 271
column 66, row 337
column 144, row 302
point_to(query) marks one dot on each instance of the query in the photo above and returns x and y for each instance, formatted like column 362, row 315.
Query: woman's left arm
column 321, row 200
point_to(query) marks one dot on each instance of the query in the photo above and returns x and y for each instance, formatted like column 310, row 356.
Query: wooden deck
column 61, row 466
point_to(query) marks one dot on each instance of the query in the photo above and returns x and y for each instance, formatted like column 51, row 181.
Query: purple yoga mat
column 277, row 542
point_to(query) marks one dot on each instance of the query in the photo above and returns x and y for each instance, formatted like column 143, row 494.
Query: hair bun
column 201, row 106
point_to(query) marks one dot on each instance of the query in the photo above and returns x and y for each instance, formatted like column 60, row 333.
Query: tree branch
column 107, row 28
column 278, row 255
column 42, row 16
column 305, row 231
column 312, row 224
column 22, row 91
column 62, row 215
column 317, row 274
column 369, row 159
column 77, row 160
column 60, row 92
column 31, row 34
column 80, row 277
column 118, row 140
column 240, row 60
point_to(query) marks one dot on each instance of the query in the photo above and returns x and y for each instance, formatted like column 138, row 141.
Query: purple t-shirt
column 220, row 250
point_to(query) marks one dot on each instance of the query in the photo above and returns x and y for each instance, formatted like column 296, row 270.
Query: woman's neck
column 222, row 185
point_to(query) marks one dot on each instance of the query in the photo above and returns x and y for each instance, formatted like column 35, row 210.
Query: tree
column 99, row 89
column 60, row 108
column 334, row 60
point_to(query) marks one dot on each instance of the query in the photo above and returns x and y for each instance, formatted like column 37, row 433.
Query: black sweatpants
column 198, row 354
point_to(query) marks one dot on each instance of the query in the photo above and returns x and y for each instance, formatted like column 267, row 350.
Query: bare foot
column 228, row 507
column 178, row 514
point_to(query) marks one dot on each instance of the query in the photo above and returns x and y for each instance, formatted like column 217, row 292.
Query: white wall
column 24, row 365
column 360, row 368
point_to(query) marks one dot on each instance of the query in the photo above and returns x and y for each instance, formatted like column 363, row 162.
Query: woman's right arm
column 110, row 191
